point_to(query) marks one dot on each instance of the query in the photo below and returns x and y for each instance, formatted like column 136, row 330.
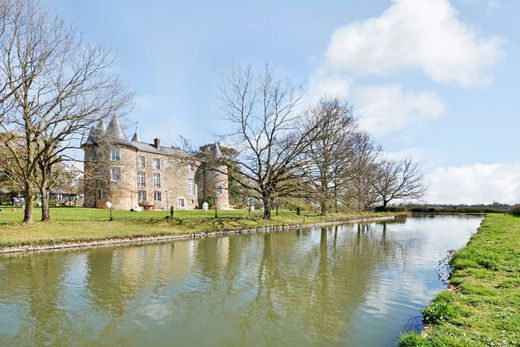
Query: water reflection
column 340, row 285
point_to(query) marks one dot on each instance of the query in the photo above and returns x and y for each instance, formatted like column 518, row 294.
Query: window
column 141, row 179
column 156, row 163
column 157, row 196
column 141, row 195
column 192, row 167
column 99, row 194
column 219, row 190
column 115, row 155
column 141, row 161
column 157, row 180
column 115, row 173
column 180, row 202
column 191, row 186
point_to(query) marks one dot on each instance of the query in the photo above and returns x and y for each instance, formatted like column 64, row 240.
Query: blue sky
column 435, row 80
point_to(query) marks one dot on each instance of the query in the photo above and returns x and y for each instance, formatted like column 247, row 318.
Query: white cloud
column 388, row 108
column 424, row 35
column 479, row 183
column 322, row 84
column 427, row 158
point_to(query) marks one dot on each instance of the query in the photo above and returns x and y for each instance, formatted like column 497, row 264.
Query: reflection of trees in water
column 312, row 287
column 37, row 283
column 259, row 288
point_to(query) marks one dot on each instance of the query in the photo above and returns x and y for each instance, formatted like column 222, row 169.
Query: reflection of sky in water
column 344, row 285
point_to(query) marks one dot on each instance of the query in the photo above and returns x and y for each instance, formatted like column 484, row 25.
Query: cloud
column 388, row 108
column 412, row 34
column 478, row 183
column 427, row 158
column 328, row 85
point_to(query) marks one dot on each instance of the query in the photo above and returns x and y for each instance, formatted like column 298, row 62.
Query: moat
column 355, row 285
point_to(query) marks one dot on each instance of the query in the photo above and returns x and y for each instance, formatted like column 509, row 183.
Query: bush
column 515, row 210
column 437, row 312
column 390, row 209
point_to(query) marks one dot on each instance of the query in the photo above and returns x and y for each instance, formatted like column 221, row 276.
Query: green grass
column 482, row 307
column 84, row 224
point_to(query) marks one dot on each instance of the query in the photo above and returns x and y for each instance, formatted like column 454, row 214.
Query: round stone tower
column 217, row 179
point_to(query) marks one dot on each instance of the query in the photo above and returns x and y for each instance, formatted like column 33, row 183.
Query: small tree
column 398, row 180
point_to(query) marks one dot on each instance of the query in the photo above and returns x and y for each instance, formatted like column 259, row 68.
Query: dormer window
column 115, row 154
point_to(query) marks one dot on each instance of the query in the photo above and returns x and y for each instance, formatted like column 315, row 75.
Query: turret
column 218, row 179
column 115, row 131
column 136, row 137
column 96, row 133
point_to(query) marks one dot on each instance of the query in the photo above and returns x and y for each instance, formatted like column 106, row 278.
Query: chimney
column 157, row 143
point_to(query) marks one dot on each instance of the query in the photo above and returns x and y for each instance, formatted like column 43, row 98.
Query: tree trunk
column 267, row 207
column 44, row 192
column 323, row 208
column 46, row 216
column 28, row 195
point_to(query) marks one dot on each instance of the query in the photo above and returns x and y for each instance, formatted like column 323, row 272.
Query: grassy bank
column 83, row 224
column 482, row 306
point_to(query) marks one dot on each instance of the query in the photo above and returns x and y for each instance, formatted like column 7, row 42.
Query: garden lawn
column 482, row 306
column 70, row 224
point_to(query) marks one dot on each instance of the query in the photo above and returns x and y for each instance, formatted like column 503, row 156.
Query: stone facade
column 138, row 175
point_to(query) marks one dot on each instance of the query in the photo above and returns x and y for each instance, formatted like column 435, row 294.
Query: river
column 348, row 285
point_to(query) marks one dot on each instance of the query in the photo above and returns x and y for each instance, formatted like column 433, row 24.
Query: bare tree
column 398, row 180
column 331, row 153
column 57, row 87
column 268, row 134
column 362, row 172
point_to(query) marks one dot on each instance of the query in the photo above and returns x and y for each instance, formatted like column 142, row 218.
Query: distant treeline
column 434, row 208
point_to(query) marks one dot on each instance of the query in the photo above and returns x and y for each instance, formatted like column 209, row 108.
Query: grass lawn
column 85, row 224
column 482, row 307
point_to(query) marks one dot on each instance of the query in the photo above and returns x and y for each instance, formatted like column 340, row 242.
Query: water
column 354, row 285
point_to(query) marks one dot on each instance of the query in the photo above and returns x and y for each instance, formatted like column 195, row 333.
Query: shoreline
column 477, row 305
column 33, row 248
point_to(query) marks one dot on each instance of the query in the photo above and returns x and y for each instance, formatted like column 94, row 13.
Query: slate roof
column 115, row 134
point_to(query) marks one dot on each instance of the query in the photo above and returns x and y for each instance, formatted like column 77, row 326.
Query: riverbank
column 76, row 227
column 481, row 306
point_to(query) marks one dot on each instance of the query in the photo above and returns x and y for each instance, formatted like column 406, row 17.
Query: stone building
column 139, row 175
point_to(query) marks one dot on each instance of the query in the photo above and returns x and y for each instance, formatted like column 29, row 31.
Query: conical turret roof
column 136, row 137
column 96, row 132
column 216, row 150
column 115, row 130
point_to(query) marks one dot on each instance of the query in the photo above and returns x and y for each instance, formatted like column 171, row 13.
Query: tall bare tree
column 331, row 153
column 57, row 87
column 398, row 180
column 268, row 134
column 363, row 172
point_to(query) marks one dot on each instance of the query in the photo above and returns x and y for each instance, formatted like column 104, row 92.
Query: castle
column 135, row 175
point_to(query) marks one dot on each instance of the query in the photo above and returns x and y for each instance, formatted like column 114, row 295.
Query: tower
column 217, row 179
column 93, row 158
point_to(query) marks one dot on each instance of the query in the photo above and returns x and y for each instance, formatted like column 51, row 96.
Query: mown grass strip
column 482, row 305
column 78, row 224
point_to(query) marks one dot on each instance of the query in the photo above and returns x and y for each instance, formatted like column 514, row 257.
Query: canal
column 348, row 285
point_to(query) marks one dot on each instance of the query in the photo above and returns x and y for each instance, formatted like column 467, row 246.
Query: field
column 84, row 224
column 482, row 306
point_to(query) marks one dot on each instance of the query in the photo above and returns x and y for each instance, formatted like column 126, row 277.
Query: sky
column 433, row 80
